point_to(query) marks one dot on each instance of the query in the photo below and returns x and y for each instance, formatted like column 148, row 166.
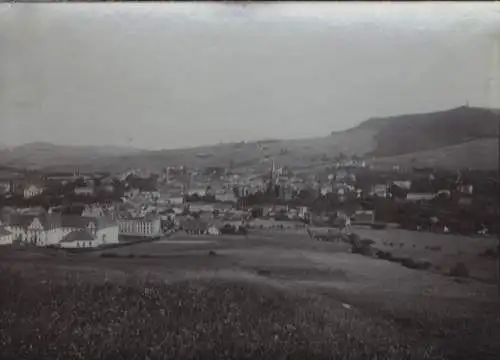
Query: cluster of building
column 194, row 200
column 40, row 228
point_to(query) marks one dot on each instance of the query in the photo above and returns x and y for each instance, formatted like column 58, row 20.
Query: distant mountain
column 42, row 154
column 460, row 137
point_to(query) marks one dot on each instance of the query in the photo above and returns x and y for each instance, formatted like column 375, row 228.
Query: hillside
column 294, row 153
column 460, row 137
column 422, row 132
column 41, row 155
column 479, row 154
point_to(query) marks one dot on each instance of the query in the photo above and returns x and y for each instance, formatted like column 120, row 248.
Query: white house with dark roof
column 79, row 239
column 32, row 190
column 40, row 230
column 103, row 230
column 50, row 229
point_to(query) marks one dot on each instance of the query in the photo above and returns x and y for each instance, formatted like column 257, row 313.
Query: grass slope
column 75, row 318
column 478, row 154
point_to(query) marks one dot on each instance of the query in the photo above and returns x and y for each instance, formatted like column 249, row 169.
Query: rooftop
column 79, row 235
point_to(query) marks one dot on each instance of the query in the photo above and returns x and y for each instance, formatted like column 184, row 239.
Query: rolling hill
column 422, row 132
column 460, row 137
column 41, row 154
column 479, row 154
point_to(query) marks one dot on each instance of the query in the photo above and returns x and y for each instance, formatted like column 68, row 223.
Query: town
column 73, row 210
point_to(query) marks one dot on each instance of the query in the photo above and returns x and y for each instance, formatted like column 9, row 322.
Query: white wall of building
column 107, row 235
column 139, row 227
column 6, row 239
column 80, row 244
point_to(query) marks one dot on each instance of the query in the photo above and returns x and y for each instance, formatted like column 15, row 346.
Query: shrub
column 416, row 264
column 263, row 272
column 212, row 253
column 460, row 270
column 379, row 226
column 384, row 255
column 363, row 250
column 490, row 252
column 367, row 242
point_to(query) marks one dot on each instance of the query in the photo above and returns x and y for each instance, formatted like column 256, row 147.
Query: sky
column 161, row 76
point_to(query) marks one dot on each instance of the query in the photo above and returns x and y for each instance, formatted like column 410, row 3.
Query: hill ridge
column 379, row 137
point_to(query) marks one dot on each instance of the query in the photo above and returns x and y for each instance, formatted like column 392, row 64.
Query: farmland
column 271, row 294
column 442, row 250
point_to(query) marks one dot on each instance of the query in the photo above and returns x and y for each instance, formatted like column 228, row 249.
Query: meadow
column 266, row 296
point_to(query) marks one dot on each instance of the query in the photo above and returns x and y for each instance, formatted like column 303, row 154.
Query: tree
column 397, row 192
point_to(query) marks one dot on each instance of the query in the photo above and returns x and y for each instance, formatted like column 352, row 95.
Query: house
column 466, row 189
column 341, row 175
column 84, row 191
column 108, row 180
column 94, row 211
column 106, row 188
column 206, row 216
column 39, row 230
column 32, row 190
column 5, row 187
column 104, row 230
column 50, row 229
column 194, row 226
column 303, row 211
column 132, row 193
column 363, row 217
column 38, row 210
column 226, row 197
column 416, row 197
column 148, row 225
column 198, row 191
column 403, row 184
column 379, row 190
column 6, row 237
column 326, row 190
column 213, row 230
column 200, row 207
column 176, row 200
column 78, row 239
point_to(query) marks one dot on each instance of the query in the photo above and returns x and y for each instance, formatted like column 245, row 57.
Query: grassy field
column 442, row 250
column 271, row 295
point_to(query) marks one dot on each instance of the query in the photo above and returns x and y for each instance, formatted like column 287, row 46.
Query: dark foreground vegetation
column 75, row 318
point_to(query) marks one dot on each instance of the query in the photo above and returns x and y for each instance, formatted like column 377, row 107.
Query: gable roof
column 194, row 224
column 82, row 222
column 48, row 221
column 78, row 235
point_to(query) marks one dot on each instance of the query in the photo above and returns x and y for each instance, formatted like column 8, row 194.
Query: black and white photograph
column 249, row 180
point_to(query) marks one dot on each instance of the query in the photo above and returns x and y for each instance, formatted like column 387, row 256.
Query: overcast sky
column 174, row 75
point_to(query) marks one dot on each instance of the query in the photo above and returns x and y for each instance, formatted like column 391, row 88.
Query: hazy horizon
column 155, row 76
